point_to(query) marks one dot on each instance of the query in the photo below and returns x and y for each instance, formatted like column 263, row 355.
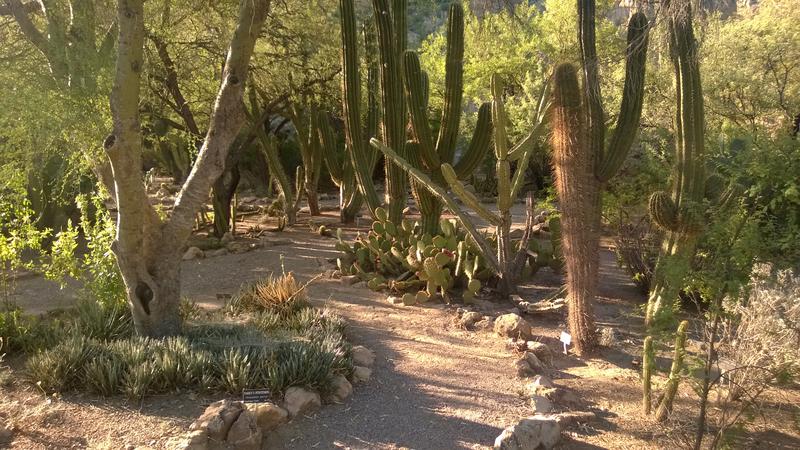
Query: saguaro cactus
column 583, row 162
column 679, row 212
column 426, row 154
column 502, row 260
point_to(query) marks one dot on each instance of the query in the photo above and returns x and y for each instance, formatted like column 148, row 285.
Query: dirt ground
column 434, row 385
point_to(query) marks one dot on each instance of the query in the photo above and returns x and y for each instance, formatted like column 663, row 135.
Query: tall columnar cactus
column 306, row 122
column 425, row 154
column 503, row 260
column 391, row 25
column 583, row 162
column 648, row 361
column 679, row 212
column 360, row 154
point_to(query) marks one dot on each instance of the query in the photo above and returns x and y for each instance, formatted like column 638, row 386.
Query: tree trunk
column 149, row 249
column 222, row 197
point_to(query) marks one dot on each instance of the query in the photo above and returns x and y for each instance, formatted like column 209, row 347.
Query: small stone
column 534, row 362
column 568, row 418
column 300, row 401
column 568, row 398
column 349, row 279
column 485, row 324
column 362, row 356
column 512, row 325
column 268, row 415
column 395, row 300
column 227, row 238
column 541, row 350
column 524, row 369
column 361, row 374
column 469, row 319
column 516, row 299
column 541, row 381
column 516, row 345
column 217, row 252
column 193, row 253
column 608, row 337
column 530, row 434
column 5, row 434
column 245, row 433
column 238, row 247
column 217, row 419
column 341, row 389
column 541, row 404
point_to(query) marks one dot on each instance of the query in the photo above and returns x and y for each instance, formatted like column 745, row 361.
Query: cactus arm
column 479, row 145
column 499, row 119
column 452, row 205
column 454, row 84
column 648, row 361
column 632, row 99
column 391, row 45
column 468, row 197
column 351, row 93
column 332, row 158
column 525, row 157
column 595, row 117
column 415, row 93
column 671, row 389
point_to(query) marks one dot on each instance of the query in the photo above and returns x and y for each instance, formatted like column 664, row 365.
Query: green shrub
column 103, row 321
column 304, row 348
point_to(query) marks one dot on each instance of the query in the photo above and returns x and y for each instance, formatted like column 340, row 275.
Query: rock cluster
column 230, row 245
column 229, row 424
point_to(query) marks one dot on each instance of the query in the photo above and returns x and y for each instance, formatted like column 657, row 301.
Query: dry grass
column 281, row 295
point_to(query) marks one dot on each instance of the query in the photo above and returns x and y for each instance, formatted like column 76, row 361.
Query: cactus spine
column 583, row 162
column 500, row 260
column 688, row 187
column 433, row 154
column 665, row 406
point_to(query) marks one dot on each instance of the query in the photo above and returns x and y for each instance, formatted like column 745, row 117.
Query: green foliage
column 305, row 347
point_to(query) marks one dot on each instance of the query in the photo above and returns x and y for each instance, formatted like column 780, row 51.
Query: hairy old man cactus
column 424, row 153
column 501, row 258
column 583, row 161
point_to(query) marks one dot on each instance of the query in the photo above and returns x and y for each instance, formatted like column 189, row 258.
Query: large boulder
column 512, row 325
column 217, row 419
column 340, row 389
column 268, row 415
column 530, row 433
column 244, row 433
column 300, row 401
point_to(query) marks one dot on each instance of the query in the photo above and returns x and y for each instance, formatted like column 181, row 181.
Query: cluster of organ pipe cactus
column 428, row 154
column 506, row 262
column 584, row 162
column 390, row 23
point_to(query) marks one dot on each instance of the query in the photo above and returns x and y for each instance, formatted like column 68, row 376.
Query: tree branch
column 226, row 121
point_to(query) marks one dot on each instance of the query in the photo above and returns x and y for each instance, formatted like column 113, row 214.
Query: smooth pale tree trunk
column 149, row 249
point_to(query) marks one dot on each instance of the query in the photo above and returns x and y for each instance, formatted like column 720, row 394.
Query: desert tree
column 148, row 248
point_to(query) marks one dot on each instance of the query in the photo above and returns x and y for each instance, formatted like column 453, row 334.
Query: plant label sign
column 255, row 395
column 566, row 339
